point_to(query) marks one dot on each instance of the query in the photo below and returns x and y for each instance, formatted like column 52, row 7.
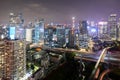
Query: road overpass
column 100, row 57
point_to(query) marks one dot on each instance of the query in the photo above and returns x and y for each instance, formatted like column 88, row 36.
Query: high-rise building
column 16, row 22
column 118, row 30
column 112, row 26
column 102, row 27
column 29, row 33
column 92, row 29
column 102, row 30
column 39, row 31
column 3, row 31
column 83, row 27
column 67, row 29
column 76, row 34
column 60, row 31
column 49, row 34
column 12, row 59
column 71, row 38
column 83, row 36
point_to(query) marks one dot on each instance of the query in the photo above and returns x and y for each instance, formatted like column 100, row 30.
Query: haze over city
column 59, row 11
column 59, row 39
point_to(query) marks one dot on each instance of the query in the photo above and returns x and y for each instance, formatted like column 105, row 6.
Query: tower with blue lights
column 13, row 50
column 15, row 27
column 39, row 31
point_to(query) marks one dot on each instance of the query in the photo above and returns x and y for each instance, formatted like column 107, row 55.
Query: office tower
column 83, row 36
column 3, row 31
column 60, row 31
column 12, row 59
column 39, row 31
column 48, row 34
column 92, row 29
column 29, row 35
column 83, row 27
column 112, row 26
column 76, row 34
column 67, row 29
column 102, row 26
column 16, row 21
column 118, row 30
column 71, row 38
column 102, row 30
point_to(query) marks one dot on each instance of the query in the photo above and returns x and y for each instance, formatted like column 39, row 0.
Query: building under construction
column 12, row 59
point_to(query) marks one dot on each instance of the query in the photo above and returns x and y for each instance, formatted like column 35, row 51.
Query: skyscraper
column 83, row 36
column 29, row 33
column 3, row 31
column 39, row 31
column 60, row 31
column 112, row 26
column 16, row 21
column 83, row 27
column 12, row 59
column 119, row 29
column 50, row 30
column 102, row 30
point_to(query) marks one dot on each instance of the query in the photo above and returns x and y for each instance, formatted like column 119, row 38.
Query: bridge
column 103, row 56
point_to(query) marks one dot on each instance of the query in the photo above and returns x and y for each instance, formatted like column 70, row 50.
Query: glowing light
column 2, row 36
column 102, row 23
column 73, row 18
column 73, row 22
column 26, row 76
column 88, row 27
column 12, row 32
column 93, row 30
column 11, row 13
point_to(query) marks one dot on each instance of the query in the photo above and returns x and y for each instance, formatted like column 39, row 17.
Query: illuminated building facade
column 60, row 36
column 3, row 32
column 71, row 41
column 29, row 35
column 12, row 32
column 49, row 34
column 118, row 30
column 56, row 35
column 12, row 59
column 102, row 30
column 92, row 29
column 71, row 38
column 16, row 24
column 102, row 27
column 76, row 34
column 112, row 26
column 83, row 36
column 39, row 31
column 67, row 29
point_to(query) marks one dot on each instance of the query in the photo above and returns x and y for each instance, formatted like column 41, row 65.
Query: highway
column 108, row 57
column 102, row 56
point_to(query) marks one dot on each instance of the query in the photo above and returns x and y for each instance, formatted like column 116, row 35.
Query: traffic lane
column 109, row 58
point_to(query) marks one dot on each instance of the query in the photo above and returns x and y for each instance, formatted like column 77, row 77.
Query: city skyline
column 59, row 11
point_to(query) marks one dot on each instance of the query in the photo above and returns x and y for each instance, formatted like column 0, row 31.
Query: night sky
column 59, row 11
